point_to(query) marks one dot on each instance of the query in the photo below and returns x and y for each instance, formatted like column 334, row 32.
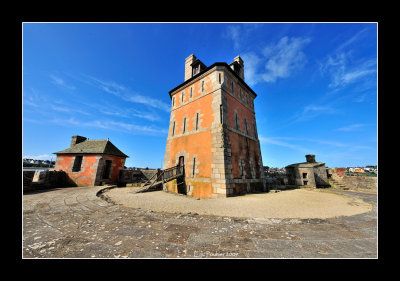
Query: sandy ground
column 299, row 203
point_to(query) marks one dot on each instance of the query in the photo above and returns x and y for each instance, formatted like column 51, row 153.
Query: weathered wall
column 45, row 179
column 91, row 169
column 219, row 149
column 341, row 180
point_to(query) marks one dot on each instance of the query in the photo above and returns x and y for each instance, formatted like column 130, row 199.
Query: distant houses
column 28, row 162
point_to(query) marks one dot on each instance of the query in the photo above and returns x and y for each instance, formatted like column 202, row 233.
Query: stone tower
column 213, row 132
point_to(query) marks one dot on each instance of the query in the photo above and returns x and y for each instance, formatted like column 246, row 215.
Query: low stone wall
column 37, row 180
column 340, row 179
column 358, row 182
column 128, row 177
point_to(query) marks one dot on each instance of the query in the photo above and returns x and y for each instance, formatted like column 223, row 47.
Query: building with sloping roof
column 91, row 162
column 309, row 173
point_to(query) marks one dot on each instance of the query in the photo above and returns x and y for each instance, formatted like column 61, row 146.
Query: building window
column 77, row 164
column 236, row 121
column 184, row 125
column 240, row 93
column 183, row 96
column 194, row 166
column 221, row 113
column 197, row 121
column 202, row 86
column 219, row 78
column 245, row 126
column 173, row 101
column 304, row 175
column 232, row 87
column 173, row 129
column 241, row 167
column 191, row 92
column 247, row 99
column 254, row 129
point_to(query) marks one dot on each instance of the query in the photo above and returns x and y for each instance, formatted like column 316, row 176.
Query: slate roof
column 93, row 147
column 306, row 165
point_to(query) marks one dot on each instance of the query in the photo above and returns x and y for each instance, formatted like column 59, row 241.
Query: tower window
column 232, row 87
column 194, row 166
column 219, row 78
column 183, row 96
column 197, row 121
column 191, row 92
column 173, row 129
column 221, row 112
column 245, row 126
column 236, row 121
column 254, row 129
column 173, row 101
column 202, row 86
column 184, row 125
column 240, row 93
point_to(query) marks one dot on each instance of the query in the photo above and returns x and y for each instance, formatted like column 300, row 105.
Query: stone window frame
column 246, row 127
column 242, row 165
column 74, row 165
column 255, row 128
column 237, row 121
column 184, row 125
column 191, row 93
column 182, row 97
column 173, row 128
column 196, row 128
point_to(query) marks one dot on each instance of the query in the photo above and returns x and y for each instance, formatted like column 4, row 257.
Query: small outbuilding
column 308, row 173
column 91, row 162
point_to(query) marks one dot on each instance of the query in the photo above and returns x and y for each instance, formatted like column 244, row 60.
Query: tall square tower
column 213, row 132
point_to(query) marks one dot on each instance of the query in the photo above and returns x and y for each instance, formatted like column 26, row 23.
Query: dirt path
column 299, row 203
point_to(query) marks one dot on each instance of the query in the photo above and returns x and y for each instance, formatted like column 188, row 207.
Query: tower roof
column 207, row 69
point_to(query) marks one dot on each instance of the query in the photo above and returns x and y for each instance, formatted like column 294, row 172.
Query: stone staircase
column 336, row 184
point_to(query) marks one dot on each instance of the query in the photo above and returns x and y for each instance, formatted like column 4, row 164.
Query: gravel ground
column 75, row 223
column 298, row 203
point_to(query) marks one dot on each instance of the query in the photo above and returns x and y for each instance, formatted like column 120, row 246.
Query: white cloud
column 342, row 71
column 233, row 33
column 127, row 94
column 282, row 143
column 112, row 125
column 351, row 127
column 280, row 60
column 60, row 82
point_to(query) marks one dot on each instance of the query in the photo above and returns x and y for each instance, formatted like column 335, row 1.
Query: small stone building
column 308, row 173
column 91, row 162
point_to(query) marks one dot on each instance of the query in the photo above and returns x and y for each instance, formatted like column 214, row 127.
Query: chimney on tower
column 238, row 66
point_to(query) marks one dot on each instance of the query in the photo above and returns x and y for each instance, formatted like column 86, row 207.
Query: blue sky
column 316, row 86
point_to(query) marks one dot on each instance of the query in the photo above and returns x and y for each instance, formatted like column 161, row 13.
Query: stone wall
column 37, row 180
column 340, row 179
column 135, row 176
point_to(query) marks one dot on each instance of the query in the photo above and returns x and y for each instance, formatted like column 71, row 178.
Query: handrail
column 165, row 175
